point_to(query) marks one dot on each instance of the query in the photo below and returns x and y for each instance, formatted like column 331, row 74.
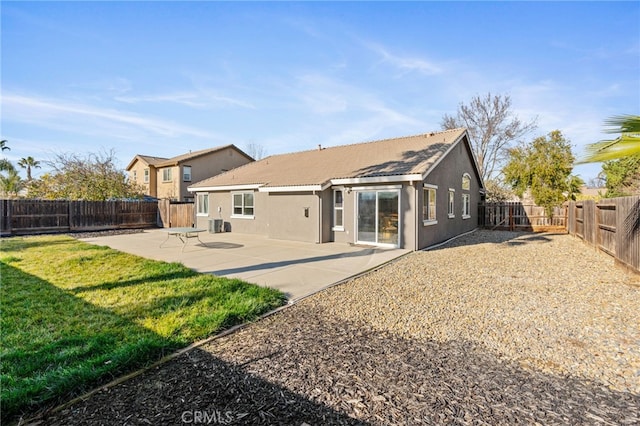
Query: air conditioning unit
column 215, row 226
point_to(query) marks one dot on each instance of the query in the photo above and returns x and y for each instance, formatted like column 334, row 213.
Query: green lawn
column 74, row 315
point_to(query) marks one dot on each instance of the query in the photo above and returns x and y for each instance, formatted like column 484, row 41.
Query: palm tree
column 5, row 165
column 3, row 144
column 628, row 143
column 28, row 163
column 11, row 184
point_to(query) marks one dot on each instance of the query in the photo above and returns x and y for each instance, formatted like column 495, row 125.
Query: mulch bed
column 303, row 366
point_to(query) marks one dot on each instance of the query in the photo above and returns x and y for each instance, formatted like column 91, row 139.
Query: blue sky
column 163, row 78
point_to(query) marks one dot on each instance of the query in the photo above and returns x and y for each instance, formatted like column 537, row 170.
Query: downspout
column 319, row 228
column 416, row 210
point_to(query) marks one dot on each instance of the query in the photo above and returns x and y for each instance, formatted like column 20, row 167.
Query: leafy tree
column 5, row 165
column 94, row 177
column 627, row 144
column 11, row 183
column 29, row 163
column 4, row 146
column 492, row 128
column 622, row 177
column 544, row 167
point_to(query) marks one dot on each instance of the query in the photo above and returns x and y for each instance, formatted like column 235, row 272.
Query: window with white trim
column 186, row 173
column 466, row 182
column 466, row 206
column 146, row 175
column 166, row 174
column 452, row 196
column 338, row 210
column 242, row 205
column 429, row 205
column 202, row 202
column 135, row 176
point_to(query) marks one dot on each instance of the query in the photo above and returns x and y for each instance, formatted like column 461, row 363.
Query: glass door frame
column 377, row 190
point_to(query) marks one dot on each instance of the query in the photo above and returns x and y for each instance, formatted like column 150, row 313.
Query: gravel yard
column 493, row 328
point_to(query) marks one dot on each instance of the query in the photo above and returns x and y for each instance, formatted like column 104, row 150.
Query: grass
column 74, row 315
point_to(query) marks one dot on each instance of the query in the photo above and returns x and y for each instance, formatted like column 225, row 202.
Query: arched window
column 466, row 182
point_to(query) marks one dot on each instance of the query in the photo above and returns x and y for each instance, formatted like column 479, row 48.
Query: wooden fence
column 23, row 216
column 612, row 225
column 515, row 216
column 173, row 214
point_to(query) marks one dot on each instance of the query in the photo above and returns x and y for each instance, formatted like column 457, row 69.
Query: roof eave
column 296, row 188
column 224, row 187
column 453, row 145
column 377, row 179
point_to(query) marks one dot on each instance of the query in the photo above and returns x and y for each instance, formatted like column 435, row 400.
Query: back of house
column 408, row 192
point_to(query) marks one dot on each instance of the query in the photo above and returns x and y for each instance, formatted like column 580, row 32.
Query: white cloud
column 190, row 99
column 86, row 119
column 405, row 64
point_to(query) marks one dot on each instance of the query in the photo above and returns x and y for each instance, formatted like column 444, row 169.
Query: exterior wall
column 294, row 216
column 276, row 215
column 206, row 166
column 221, row 207
column 326, row 215
column 168, row 189
column 448, row 174
column 406, row 214
column 202, row 167
column 139, row 168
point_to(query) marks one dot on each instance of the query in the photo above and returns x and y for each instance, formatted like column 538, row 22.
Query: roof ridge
column 428, row 134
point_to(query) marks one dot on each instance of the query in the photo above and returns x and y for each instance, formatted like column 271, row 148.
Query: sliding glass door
column 378, row 217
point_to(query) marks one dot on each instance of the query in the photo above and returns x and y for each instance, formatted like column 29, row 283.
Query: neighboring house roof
column 398, row 159
column 159, row 162
column 146, row 159
column 174, row 161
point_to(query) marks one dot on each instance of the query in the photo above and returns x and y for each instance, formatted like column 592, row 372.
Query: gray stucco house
column 409, row 192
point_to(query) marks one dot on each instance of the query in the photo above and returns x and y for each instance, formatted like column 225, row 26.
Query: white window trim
column 243, row 216
column 146, row 175
column 468, row 215
column 199, row 201
column 452, row 203
column 429, row 222
column 467, row 177
column 170, row 173
column 335, row 227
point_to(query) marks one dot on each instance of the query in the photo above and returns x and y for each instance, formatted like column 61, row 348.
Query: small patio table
column 183, row 234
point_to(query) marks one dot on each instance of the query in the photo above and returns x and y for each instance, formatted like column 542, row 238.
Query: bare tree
column 492, row 127
column 255, row 151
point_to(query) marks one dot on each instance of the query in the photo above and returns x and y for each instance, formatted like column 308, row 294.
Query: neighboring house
column 170, row 177
column 409, row 192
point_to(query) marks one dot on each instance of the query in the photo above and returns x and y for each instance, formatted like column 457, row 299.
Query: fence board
column 174, row 214
column 612, row 226
column 24, row 216
column 517, row 216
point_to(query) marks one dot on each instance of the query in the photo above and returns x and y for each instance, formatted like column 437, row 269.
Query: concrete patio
column 295, row 268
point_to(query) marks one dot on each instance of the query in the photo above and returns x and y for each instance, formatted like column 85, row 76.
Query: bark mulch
column 302, row 366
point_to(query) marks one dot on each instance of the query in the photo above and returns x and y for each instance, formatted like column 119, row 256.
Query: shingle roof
column 174, row 161
column 147, row 159
column 389, row 157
